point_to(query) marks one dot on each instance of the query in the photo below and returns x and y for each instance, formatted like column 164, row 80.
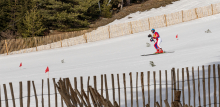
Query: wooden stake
column 48, row 84
column 196, row 13
column 119, row 99
column 183, row 86
column 209, row 71
column 189, row 95
column 172, row 79
column 131, row 28
column 95, row 83
column 148, row 85
column 35, row 43
column 199, row 87
column 154, row 89
column 28, row 93
column 35, row 94
column 0, row 97
column 110, row 37
column 165, row 20
column 125, row 89
column 160, row 90
column 149, row 22
column 178, row 78
column 214, row 80
column 137, row 89
column 194, row 90
column 101, row 85
column 43, row 93
column 20, row 95
column 166, row 87
column 6, row 47
column 113, row 87
column 106, row 88
column 6, row 97
column 131, row 85
column 219, row 81
column 212, row 8
column 55, row 91
column 182, row 16
column 12, row 94
column 204, row 91
column 142, row 86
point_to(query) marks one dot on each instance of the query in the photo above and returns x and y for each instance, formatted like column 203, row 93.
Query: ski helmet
column 153, row 30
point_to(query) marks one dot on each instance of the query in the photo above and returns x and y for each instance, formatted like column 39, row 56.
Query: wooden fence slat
column 131, row 85
column 183, row 86
column 142, row 86
column 6, row 96
column 35, row 93
column 42, row 99
column 160, row 90
column 214, row 79
column 166, row 87
column 113, row 87
column 178, row 83
column 21, row 94
column 172, row 87
column 95, row 82
column 6, row 47
column 0, row 97
column 199, row 87
column 88, row 86
column 48, row 84
column 55, row 92
column 219, row 83
column 154, row 89
column 81, row 82
column 148, row 85
column 28, row 93
column 189, row 95
column 101, row 85
column 124, row 80
column 106, row 88
column 12, row 94
column 75, row 82
column 204, row 91
column 209, row 72
column 194, row 90
column 119, row 98
column 137, row 89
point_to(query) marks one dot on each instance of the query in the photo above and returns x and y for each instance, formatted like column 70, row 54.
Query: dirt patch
column 147, row 5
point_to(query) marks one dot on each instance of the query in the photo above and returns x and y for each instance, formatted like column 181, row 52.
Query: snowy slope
column 116, row 56
column 172, row 8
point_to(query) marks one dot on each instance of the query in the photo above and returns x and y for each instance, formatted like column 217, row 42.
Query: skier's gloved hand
column 149, row 35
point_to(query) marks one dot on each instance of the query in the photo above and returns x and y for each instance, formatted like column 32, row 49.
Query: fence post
column 21, row 94
column 160, row 90
column 214, row 79
column 6, row 97
column 149, row 22
column 137, row 89
column 124, row 79
column 42, row 93
column 131, row 85
column 6, row 47
column 85, row 37
column 178, row 78
column 119, row 99
column 165, row 20
column 182, row 16
column 113, row 88
column 142, row 86
column 35, row 43
column 106, row 88
column 0, row 97
column 209, row 72
column 219, row 80
column 166, row 87
column 61, row 41
column 199, row 87
column 171, row 87
column 194, row 91
column 148, row 85
column 204, row 91
column 95, row 83
column 101, row 85
column 110, row 36
column 48, row 84
column 183, row 86
column 35, row 94
column 196, row 13
column 12, row 94
column 29, row 93
column 55, row 91
column 189, row 95
column 154, row 89
column 81, row 82
column 131, row 28
column 212, row 8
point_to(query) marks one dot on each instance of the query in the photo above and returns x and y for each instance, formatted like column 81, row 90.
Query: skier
column 158, row 40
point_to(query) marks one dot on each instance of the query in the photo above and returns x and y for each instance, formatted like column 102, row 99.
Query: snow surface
column 116, row 56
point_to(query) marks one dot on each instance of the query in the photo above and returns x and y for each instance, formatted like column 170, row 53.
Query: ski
column 158, row 53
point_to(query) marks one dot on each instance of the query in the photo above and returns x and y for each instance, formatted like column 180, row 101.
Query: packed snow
column 119, row 55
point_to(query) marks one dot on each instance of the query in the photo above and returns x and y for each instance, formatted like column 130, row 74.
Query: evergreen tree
column 106, row 9
column 32, row 23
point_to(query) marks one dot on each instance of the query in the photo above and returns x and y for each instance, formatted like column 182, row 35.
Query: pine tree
column 106, row 9
column 32, row 23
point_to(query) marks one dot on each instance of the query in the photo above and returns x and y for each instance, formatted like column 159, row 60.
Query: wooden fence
column 15, row 46
column 145, row 90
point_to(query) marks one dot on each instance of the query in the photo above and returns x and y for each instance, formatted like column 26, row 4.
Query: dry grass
column 147, row 5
